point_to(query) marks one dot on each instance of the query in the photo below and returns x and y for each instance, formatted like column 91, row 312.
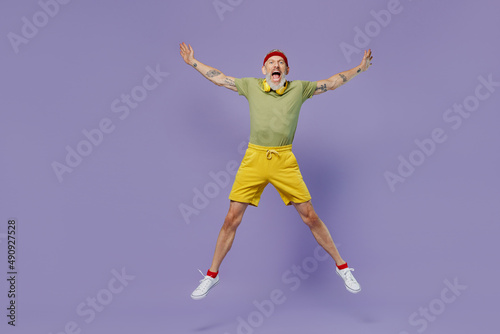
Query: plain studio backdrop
column 117, row 160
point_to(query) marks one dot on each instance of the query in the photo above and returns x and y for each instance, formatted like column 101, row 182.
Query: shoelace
column 348, row 275
column 269, row 154
column 205, row 280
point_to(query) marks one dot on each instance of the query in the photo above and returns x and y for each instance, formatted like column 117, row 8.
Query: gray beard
column 272, row 84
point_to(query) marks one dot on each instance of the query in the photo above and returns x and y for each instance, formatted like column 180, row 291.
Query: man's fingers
column 186, row 51
column 368, row 58
column 184, row 47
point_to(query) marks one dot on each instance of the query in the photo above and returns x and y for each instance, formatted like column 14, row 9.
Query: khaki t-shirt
column 274, row 117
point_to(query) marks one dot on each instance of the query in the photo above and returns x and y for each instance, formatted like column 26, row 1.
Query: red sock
column 343, row 266
column 212, row 274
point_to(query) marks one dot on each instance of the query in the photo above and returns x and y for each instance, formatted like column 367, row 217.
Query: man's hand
column 366, row 62
column 341, row 78
column 187, row 53
column 212, row 74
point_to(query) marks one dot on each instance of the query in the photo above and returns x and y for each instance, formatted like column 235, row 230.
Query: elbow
column 219, row 80
column 214, row 81
column 330, row 85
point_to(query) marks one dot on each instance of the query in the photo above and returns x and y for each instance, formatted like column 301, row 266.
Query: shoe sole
column 206, row 293
column 349, row 289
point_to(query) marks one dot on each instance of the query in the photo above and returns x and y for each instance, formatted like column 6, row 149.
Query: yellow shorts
column 262, row 165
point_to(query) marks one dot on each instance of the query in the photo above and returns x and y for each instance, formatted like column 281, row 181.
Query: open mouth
column 276, row 76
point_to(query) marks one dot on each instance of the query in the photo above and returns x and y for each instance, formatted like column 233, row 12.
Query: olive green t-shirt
column 274, row 117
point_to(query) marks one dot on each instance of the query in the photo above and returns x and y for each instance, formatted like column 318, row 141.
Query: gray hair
column 274, row 50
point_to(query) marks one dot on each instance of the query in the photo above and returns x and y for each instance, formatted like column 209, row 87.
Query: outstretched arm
column 212, row 74
column 341, row 78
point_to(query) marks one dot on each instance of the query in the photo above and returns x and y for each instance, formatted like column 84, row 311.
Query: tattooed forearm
column 213, row 73
column 359, row 70
column 344, row 79
column 195, row 65
column 322, row 88
column 230, row 82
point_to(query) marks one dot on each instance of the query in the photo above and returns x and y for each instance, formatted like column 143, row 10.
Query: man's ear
column 264, row 70
column 287, row 70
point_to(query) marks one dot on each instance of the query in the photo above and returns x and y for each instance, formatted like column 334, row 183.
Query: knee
column 311, row 219
column 232, row 221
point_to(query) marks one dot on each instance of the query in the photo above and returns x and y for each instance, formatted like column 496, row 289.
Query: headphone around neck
column 267, row 88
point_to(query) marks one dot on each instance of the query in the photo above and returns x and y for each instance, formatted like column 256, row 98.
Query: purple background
column 120, row 207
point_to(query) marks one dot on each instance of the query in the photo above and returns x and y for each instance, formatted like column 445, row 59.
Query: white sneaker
column 206, row 284
column 350, row 282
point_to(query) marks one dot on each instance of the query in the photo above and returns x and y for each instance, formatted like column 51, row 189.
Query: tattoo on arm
column 230, row 82
column 195, row 65
column 322, row 88
column 213, row 73
column 359, row 70
column 344, row 79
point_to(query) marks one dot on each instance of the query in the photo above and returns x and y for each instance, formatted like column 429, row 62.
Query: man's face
column 275, row 70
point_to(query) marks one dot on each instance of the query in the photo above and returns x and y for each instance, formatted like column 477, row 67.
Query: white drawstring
column 269, row 154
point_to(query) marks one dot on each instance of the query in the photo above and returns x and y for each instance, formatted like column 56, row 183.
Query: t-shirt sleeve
column 308, row 89
column 242, row 85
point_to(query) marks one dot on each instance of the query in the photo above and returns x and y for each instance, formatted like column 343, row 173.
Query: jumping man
column 274, row 111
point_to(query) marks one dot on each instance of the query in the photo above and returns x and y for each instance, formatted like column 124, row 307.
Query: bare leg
column 227, row 233
column 318, row 229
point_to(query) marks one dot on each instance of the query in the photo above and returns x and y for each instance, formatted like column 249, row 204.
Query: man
column 274, row 110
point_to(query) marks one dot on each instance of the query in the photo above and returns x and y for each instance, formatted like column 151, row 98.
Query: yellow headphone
column 267, row 88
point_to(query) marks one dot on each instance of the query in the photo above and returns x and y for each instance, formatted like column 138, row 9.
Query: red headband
column 276, row 53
